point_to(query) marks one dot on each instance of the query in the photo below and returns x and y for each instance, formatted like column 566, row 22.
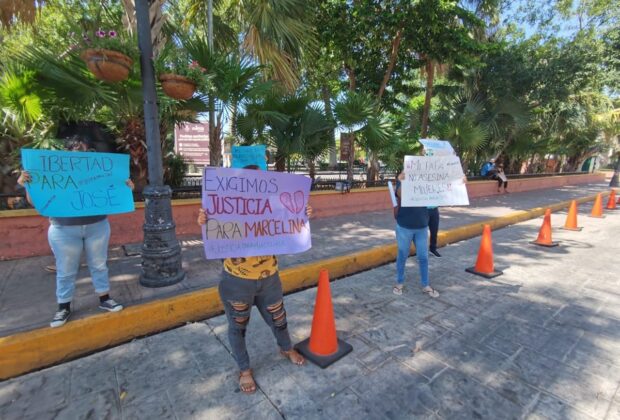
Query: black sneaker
column 60, row 318
column 111, row 305
column 435, row 253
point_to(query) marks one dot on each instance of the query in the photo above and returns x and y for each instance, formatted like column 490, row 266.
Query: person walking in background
column 68, row 237
column 411, row 226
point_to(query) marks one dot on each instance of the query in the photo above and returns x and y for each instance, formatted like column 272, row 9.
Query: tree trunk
column 311, row 169
column 352, row 82
column 351, row 159
column 233, row 121
column 280, row 162
column 329, row 113
column 373, row 169
column 157, row 20
column 430, row 73
column 391, row 63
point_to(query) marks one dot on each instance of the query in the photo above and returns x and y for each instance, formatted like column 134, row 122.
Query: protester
column 68, row 237
column 246, row 282
column 411, row 225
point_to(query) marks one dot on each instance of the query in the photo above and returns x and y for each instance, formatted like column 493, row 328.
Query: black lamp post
column 161, row 252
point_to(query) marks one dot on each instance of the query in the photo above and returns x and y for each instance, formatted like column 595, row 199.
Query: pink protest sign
column 253, row 212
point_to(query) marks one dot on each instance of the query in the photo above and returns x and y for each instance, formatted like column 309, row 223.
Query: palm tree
column 359, row 115
column 277, row 33
column 472, row 123
column 291, row 124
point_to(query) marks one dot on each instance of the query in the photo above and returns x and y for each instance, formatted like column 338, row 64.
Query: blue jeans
column 404, row 237
column 67, row 243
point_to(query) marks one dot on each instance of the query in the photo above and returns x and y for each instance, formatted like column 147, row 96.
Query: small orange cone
column 611, row 203
column 484, row 264
column 571, row 219
column 544, row 236
column 597, row 209
column 323, row 347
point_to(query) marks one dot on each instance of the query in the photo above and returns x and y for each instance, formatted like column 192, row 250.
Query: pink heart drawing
column 293, row 206
column 299, row 201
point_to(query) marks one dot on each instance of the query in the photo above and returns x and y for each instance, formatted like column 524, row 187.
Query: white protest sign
column 434, row 147
column 433, row 181
column 392, row 194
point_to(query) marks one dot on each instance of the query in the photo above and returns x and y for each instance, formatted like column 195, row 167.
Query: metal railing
column 324, row 181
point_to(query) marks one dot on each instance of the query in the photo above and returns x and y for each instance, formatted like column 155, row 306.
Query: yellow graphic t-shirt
column 252, row 268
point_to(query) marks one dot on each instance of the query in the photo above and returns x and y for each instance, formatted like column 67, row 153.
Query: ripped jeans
column 238, row 296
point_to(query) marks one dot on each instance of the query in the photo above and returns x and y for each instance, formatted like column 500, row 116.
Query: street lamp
column 161, row 252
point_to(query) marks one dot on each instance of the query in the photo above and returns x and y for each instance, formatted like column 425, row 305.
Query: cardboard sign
column 433, row 181
column 243, row 156
column 73, row 184
column 253, row 213
column 192, row 141
column 434, row 147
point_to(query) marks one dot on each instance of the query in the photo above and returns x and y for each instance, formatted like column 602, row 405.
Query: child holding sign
column 68, row 237
column 250, row 281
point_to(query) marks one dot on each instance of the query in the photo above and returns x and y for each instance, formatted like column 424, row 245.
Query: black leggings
column 433, row 225
column 500, row 182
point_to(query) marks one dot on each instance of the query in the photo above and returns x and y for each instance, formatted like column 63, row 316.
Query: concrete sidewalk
column 539, row 342
column 27, row 292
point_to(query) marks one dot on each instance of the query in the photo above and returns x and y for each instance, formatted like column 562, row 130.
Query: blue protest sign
column 72, row 184
column 243, row 156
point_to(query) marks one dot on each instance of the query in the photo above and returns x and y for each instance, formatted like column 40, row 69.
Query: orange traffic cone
column 323, row 347
column 484, row 264
column 571, row 219
column 597, row 209
column 544, row 236
column 611, row 203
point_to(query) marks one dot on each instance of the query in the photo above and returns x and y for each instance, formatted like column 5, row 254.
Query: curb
column 24, row 352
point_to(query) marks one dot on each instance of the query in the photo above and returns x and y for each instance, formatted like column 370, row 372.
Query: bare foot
column 246, row 382
column 293, row 356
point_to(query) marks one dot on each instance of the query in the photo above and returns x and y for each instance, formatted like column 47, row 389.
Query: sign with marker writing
column 252, row 213
column 249, row 155
column 433, row 181
column 434, row 147
column 73, row 184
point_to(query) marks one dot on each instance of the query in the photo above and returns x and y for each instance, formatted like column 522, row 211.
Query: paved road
column 540, row 342
column 27, row 292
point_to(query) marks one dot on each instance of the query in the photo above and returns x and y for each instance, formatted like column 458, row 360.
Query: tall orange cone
column 597, row 209
column 484, row 264
column 611, row 203
column 323, row 347
column 571, row 219
column 544, row 236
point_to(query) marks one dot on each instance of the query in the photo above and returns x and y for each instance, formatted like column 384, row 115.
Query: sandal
column 294, row 356
column 431, row 292
column 246, row 382
column 398, row 290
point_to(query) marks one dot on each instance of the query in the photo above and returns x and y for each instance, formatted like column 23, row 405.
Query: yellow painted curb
column 31, row 350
